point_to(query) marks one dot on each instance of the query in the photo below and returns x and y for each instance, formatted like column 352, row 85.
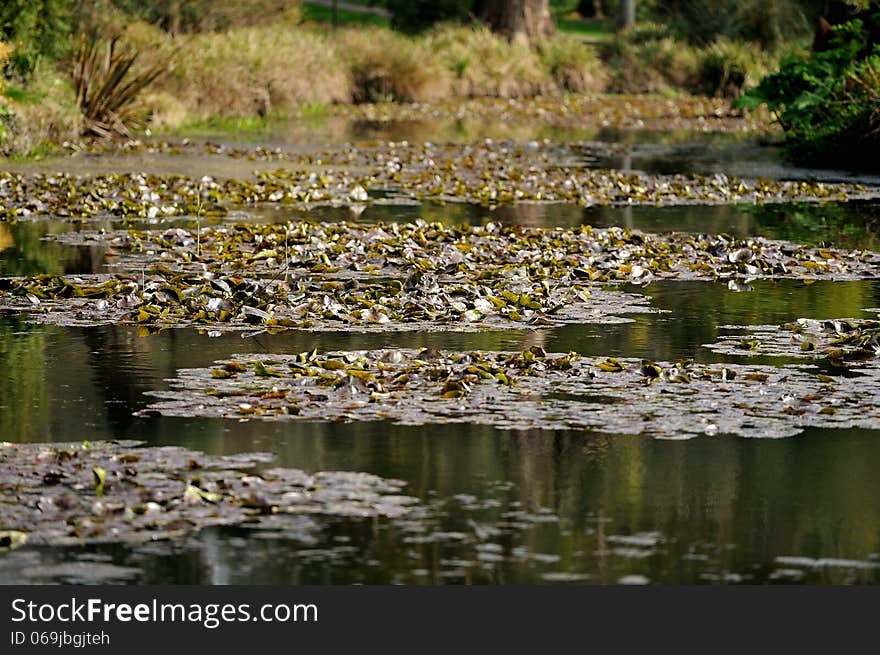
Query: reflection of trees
column 538, row 214
column 697, row 309
column 739, row 502
column 121, row 365
column 802, row 496
column 24, row 252
column 854, row 224
column 24, row 407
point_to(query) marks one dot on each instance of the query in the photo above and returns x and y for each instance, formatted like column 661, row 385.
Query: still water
column 498, row 506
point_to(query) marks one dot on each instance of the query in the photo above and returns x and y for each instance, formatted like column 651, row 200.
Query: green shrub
column 36, row 29
column 729, row 68
column 828, row 103
column 767, row 22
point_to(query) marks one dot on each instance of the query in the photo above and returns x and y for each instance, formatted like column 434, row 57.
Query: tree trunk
column 521, row 21
column 626, row 20
column 174, row 17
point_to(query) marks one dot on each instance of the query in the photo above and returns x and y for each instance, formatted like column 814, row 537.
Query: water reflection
column 26, row 248
column 518, row 506
column 599, row 509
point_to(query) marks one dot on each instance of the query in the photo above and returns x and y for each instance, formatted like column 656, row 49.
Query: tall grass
column 574, row 65
column 248, row 71
column 652, row 60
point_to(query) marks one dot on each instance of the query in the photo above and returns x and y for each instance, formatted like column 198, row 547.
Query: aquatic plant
column 488, row 173
column 840, row 343
column 416, row 276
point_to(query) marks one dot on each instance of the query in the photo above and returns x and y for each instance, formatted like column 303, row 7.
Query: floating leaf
column 100, row 477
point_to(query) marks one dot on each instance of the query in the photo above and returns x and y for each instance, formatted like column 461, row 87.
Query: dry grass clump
column 384, row 66
column 54, row 120
column 485, row 64
column 574, row 65
column 652, row 61
column 652, row 65
column 254, row 71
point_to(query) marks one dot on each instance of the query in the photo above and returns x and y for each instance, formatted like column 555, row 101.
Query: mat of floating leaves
column 165, row 299
column 503, row 172
column 486, row 175
column 490, row 181
column 843, row 343
column 414, row 276
column 485, row 254
column 120, row 492
column 529, row 390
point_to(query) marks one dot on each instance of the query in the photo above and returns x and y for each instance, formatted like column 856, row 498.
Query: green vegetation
column 829, row 103
column 35, row 29
column 417, row 15
column 651, row 59
column 323, row 14
column 593, row 31
column 768, row 23
column 226, row 64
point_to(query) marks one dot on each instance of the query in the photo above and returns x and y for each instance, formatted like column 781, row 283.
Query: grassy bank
column 249, row 71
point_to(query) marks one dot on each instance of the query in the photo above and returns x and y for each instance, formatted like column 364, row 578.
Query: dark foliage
column 417, row 15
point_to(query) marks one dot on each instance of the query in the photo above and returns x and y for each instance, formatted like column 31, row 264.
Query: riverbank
column 296, row 68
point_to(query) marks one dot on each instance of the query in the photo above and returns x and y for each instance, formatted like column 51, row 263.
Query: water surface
column 498, row 506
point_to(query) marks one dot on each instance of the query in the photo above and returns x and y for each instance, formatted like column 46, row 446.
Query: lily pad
column 842, row 343
column 532, row 390
column 487, row 172
column 49, row 493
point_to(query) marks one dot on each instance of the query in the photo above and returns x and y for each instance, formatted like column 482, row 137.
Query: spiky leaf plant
column 107, row 88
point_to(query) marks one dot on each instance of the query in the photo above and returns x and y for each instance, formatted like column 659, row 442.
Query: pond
column 520, row 505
